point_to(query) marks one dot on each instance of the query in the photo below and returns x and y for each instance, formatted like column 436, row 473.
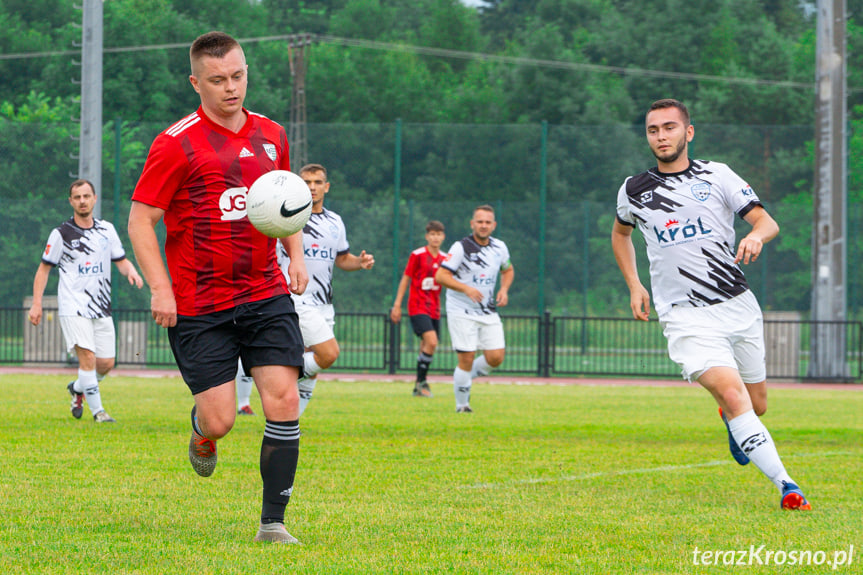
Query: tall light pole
column 90, row 142
column 829, row 233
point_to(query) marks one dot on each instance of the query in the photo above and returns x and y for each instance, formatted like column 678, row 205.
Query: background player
column 423, row 301
column 685, row 210
column 226, row 297
column 325, row 245
column 82, row 249
column 470, row 272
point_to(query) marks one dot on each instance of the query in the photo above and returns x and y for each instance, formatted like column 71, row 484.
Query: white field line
column 659, row 469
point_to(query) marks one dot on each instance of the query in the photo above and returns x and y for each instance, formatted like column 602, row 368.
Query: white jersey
column 476, row 266
column 687, row 220
column 324, row 239
column 83, row 257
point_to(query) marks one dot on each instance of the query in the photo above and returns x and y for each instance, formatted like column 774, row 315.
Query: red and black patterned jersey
column 424, row 296
column 200, row 173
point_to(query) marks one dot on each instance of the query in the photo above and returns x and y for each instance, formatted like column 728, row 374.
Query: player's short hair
column 671, row 103
column 434, row 226
column 81, row 182
column 485, row 208
column 213, row 44
column 313, row 168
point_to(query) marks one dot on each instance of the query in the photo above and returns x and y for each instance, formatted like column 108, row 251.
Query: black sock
column 280, row 450
column 423, row 362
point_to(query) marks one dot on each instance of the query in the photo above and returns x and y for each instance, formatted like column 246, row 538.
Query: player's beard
column 671, row 157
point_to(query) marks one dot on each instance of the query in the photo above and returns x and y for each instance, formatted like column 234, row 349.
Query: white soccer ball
column 279, row 204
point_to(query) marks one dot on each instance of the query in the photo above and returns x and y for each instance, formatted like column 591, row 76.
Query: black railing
column 545, row 346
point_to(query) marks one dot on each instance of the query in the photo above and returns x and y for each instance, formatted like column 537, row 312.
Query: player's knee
column 494, row 359
column 104, row 365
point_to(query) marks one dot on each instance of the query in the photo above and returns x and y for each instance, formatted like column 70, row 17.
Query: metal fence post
column 394, row 345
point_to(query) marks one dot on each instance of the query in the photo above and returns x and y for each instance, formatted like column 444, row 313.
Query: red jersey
column 424, row 296
column 199, row 173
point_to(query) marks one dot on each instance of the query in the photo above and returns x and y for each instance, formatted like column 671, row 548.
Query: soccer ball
column 279, row 204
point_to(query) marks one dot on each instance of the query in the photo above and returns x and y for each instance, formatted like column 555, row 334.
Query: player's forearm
column 145, row 244
column 39, row 283
column 400, row 293
column 624, row 253
column 506, row 278
column 293, row 245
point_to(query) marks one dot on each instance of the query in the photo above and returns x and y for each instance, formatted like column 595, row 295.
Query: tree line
column 585, row 68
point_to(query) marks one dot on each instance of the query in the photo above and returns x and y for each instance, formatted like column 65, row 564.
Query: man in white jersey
column 470, row 273
column 82, row 249
column 325, row 245
column 685, row 210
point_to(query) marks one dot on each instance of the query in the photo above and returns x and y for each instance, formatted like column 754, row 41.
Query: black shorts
column 206, row 347
column 423, row 323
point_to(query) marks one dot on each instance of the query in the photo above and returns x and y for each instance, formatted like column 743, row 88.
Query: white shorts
column 97, row 335
column 728, row 334
column 472, row 333
column 316, row 323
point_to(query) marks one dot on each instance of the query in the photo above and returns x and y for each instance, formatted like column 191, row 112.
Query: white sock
column 245, row 384
column 480, row 367
column 310, row 366
column 100, row 376
column 461, row 386
column 755, row 441
column 306, row 387
column 90, row 388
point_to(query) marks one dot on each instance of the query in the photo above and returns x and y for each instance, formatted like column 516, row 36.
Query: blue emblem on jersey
column 747, row 191
column 700, row 191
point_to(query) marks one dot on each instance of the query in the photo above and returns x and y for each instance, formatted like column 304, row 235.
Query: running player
column 226, row 297
column 423, row 301
column 325, row 245
column 685, row 210
column 82, row 249
column 470, row 273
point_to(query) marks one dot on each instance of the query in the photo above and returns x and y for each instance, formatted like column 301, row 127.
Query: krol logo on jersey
column 232, row 204
column 747, row 192
column 89, row 269
column 700, row 191
column 674, row 233
column 483, row 280
column 317, row 252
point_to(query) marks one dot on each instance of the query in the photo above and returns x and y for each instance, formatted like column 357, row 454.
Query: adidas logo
column 244, row 153
column 287, row 492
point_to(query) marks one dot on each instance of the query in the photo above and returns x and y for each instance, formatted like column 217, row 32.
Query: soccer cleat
column 736, row 452
column 202, row 454
column 275, row 533
column 245, row 410
column 463, row 409
column 103, row 417
column 792, row 498
column 77, row 401
column 422, row 389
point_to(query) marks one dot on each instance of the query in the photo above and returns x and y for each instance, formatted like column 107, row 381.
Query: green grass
column 541, row 479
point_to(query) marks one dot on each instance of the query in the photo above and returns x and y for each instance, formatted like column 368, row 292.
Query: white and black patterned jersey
column 324, row 239
column 687, row 220
column 83, row 258
column 476, row 266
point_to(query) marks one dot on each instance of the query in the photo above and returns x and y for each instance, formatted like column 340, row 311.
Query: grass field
column 540, row 479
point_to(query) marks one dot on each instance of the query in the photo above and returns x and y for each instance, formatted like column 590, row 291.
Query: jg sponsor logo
column 232, row 204
column 674, row 233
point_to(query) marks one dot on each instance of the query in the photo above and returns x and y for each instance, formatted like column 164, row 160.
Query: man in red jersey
column 226, row 297
column 423, row 301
